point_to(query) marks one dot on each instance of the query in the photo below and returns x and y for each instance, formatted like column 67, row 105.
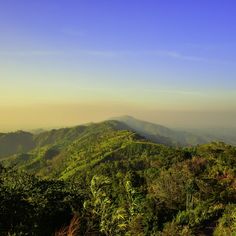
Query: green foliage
column 31, row 206
column 117, row 183
column 112, row 219
column 227, row 223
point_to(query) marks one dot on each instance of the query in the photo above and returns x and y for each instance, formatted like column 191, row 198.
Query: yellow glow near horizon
column 64, row 115
column 52, row 100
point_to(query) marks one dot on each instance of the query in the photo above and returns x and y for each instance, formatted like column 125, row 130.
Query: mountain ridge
column 160, row 133
column 87, row 146
column 10, row 144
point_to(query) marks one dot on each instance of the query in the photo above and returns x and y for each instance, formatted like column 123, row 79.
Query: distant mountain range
column 22, row 142
column 161, row 134
column 180, row 137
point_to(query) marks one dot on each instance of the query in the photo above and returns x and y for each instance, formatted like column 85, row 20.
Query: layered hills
column 63, row 153
column 118, row 178
column 69, row 148
column 21, row 142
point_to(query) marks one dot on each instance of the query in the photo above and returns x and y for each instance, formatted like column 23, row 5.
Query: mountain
column 161, row 134
column 116, row 181
column 15, row 142
column 65, row 152
column 23, row 142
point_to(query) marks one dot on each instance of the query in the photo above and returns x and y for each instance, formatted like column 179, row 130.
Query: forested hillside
column 105, row 179
column 17, row 142
column 21, row 142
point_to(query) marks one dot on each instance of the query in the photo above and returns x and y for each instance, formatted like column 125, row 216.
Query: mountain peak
column 159, row 133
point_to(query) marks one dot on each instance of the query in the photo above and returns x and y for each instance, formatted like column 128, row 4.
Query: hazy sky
column 65, row 62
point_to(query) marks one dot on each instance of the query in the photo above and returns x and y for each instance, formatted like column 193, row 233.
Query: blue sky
column 152, row 54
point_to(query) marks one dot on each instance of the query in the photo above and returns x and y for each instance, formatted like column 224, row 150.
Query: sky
column 66, row 62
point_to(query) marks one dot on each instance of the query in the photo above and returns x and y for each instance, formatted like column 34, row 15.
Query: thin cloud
column 177, row 55
column 212, row 46
column 157, row 53
column 31, row 53
column 114, row 54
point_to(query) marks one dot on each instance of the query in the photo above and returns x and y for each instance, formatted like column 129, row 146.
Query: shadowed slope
column 11, row 143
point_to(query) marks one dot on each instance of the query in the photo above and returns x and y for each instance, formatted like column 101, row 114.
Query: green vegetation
column 17, row 142
column 105, row 179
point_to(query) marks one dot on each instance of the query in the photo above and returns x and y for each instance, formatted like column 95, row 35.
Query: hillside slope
column 11, row 143
column 64, row 153
column 118, row 182
column 161, row 134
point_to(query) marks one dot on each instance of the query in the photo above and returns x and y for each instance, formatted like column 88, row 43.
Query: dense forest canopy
column 107, row 179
